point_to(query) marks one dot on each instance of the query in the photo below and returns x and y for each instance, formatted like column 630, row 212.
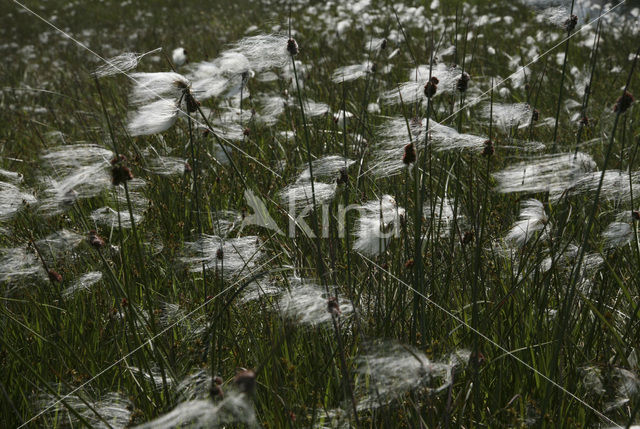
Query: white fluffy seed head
column 12, row 199
column 379, row 221
column 549, row 173
column 234, row 257
column 153, row 118
column 179, row 56
column 301, row 194
column 533, row 218
column 150, row 87
column 307, row 304
column 121, row 63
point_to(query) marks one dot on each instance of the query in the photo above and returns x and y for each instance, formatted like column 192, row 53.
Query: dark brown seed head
column 468, row 237
column 120, row 159
column 245, row 381
column 187, row 167
column 623, row 102
column 488, row 148
column 333, row 307
column 409, row 264
column 374, row 68
column 535, row 115
column 216, row 392
column 54, row 276
column 120, row 174
column 430, row 89
column 292, row 47
column 192, row 103
column 124, row 302
column 585, row 121
column 95, row 240
column 410, row 155
column 246, row 132
column 635, row 215
column 570, row 24
column 220, row 254
column 343, row 178
column 383, row 45
column 463, row 82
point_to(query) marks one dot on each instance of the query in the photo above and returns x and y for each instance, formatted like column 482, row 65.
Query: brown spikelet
column 95, row 240
column 292, row 47
column 54, row 276
column 468, row 237
column 623, row 102
column 120, row 173
column 431, row 87
column 343, row 178
column 333, row 307
column 463, row 82
column 488, row 148
column 245, row 381
column 535, row 115
column 570, row 23
column 410, row 155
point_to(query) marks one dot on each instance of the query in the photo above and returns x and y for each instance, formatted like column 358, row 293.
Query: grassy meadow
column 175, row 249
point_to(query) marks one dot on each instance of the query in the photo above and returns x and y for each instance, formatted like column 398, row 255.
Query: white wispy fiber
column 19, row 263
column 549, row 173
column 533, row 218
column 447, row 76
column 259, row 289
column 616, row 185
column 393, row 136
column 73, row 172
column 300, row 195
column 110, row 218
column 114, row 408
column 11, row 176
column 179, row 56
column 149, row 87
column 158, row 97
column 379, row 221
column 444, row 138
column 413, row 90
column 307, row 303
column 164, row 165
column 235, row 408
column 58, row 244
column 351, row 72
column 507, row 116
column 555, row 15
column 239, row 255
column 153, row 118
column 592, row 380
column 392, row 370
column 264, row 51
column 153, row 376
column 224, row 221
column 226, row 75
column 627, row 386
column 121, row 63
column 618, row 234
column 442, row 215
column 83, row 283
column 271, row 107
column 174, row 316
column 12, row 199
column 196, row 385
column 223, row 76
column 326, row 168
column 315, row 108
